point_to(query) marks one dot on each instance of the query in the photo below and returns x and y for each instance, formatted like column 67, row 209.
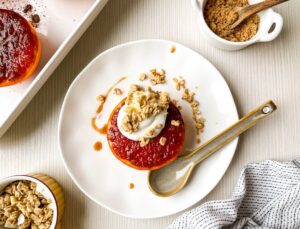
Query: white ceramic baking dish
column 62, row 24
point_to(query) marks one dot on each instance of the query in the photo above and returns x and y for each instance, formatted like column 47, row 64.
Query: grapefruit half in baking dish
column 20, row 48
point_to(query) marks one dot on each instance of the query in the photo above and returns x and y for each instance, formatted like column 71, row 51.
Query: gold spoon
column 171, row 178
column 248, row 11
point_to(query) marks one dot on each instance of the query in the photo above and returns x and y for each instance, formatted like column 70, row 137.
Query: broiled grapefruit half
column 20, row 48
column 153, row 155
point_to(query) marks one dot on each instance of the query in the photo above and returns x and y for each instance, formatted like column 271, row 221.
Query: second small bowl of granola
column 30, row 201
column 216, row 16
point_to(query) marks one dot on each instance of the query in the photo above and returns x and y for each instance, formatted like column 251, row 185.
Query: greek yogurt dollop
column 145, row 126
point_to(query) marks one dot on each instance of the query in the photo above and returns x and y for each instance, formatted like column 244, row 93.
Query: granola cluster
column 142, row 104
column 162, row 141
column 144, row 141
column 143, row 76
column 156, row 76
column 20, row 200
column 179, row 83
column 118, row 91
column 189, row 96
column 175, row 123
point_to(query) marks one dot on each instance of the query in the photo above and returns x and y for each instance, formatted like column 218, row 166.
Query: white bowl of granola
column 30, row 201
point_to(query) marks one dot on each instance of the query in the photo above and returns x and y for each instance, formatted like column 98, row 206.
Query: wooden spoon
column 248, row 11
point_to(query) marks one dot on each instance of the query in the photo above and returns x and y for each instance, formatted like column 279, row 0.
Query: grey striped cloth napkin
column 267, row 195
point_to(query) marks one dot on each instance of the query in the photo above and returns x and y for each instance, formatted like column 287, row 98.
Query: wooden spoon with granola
column 250, row 10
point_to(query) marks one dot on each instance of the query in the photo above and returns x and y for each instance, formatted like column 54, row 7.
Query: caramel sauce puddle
column 131, row 185
column 98, row 146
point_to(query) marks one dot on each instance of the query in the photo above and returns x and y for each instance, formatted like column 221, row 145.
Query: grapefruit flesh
column 20, row 48
column 153, row 155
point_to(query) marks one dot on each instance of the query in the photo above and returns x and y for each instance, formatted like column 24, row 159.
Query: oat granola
column 220, row 15
column 143, row 76
column 179, row 83
column 21, row 199
column 159, row 126
column 141, row 104
column 189, row 96
column 150, row 132
column 157, row 76
column 175, row 123
column 162, row 141
column 144, row 141
column 118, row 91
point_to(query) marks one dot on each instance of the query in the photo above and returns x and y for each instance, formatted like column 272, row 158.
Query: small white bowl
column 50, row 190
column 268, row 18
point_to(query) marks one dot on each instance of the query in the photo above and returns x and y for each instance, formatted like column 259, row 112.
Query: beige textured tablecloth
column 258, row 73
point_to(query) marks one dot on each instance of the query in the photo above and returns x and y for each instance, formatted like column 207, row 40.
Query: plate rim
column 234, row 142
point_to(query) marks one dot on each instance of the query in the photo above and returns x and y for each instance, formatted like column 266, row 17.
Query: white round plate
column 105, row 179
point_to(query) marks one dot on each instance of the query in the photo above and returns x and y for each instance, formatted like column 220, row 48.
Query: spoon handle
column 219, row 141
column 253, row 9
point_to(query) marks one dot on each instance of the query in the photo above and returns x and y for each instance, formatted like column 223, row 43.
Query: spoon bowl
column 170, row 179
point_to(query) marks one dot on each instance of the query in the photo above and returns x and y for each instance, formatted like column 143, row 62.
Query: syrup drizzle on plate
column 131, row 185
column 98, row 146
column 103, row 129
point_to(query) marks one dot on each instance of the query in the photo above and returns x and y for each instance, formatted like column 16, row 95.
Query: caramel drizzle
column 103, row 130
column 100, row 108
column 98, row 146
column 131, row 185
